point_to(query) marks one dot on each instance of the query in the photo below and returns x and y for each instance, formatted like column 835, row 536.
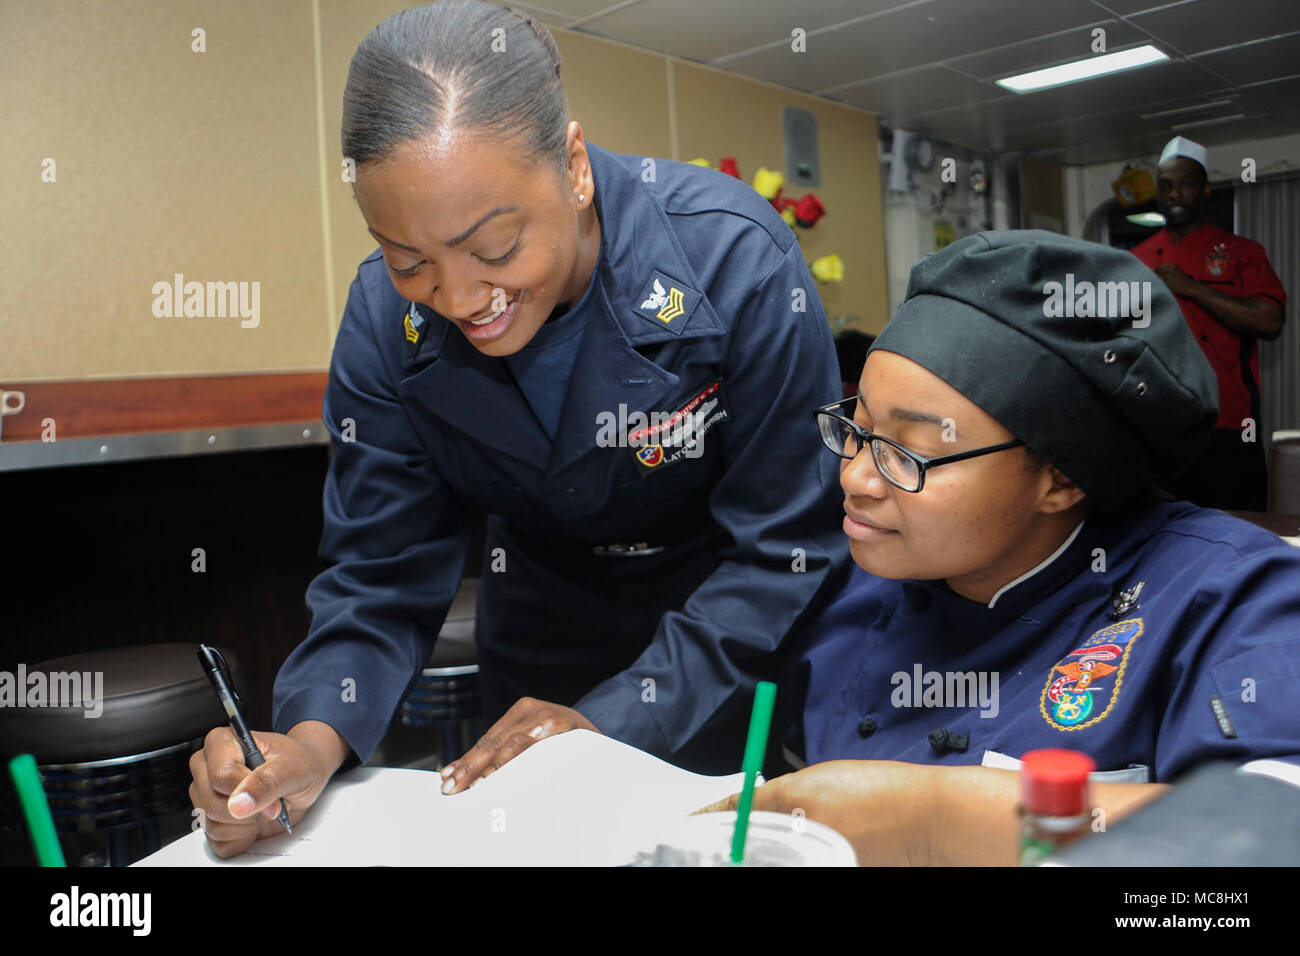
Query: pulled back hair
column 433, row 69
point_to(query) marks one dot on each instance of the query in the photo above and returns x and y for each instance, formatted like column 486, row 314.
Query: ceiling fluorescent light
column 1083, row 69
column 1209, row 122
column 1213, row 104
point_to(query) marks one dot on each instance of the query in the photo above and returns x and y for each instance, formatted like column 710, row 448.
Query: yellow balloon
column 768, row 182
column 827, row 268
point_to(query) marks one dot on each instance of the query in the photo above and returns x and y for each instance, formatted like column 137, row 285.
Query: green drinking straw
column 37, row 810
column 760, row 721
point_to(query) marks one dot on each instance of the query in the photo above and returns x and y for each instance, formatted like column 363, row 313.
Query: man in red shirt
column 1230, row 297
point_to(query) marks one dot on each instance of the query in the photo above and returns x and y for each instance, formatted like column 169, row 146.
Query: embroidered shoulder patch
column 1082, row 688
column 666, row 302
column 413, row 323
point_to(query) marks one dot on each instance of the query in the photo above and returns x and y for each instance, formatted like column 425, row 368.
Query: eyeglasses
column 903, row 469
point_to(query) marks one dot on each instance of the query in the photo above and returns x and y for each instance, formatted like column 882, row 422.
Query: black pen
column 218, row 671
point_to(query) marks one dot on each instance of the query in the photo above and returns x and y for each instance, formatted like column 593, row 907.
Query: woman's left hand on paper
column 523, row 725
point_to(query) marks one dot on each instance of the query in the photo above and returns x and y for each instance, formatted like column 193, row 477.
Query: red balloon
column 808, row 210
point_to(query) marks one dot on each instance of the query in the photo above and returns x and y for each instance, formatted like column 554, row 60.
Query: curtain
column 1268, row 211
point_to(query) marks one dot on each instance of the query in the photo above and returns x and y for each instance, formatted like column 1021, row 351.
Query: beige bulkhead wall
column 224, row 166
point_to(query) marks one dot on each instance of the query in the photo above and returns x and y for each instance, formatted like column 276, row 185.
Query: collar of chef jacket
column 1075, row 567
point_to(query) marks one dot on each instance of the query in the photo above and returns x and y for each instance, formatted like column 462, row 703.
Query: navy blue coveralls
column 1150, row 642
column 700, row 303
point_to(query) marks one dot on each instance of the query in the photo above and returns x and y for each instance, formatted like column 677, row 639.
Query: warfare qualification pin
column 1125, row 600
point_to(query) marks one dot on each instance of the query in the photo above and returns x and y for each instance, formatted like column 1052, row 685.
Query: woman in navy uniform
column 1025, row 587
column 612, row 357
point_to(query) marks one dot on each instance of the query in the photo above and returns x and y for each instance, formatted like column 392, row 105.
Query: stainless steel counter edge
column 25, row 455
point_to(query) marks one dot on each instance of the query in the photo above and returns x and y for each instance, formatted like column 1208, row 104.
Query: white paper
column 999, row 761
column 577, row 798
column 1277, row 769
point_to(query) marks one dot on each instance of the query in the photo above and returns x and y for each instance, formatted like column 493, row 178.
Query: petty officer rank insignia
column 667, row 303
column 1083, row 687
column 413, row 323
column 671, row 437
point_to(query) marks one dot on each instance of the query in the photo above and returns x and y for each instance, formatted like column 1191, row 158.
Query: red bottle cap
column 1054, row 783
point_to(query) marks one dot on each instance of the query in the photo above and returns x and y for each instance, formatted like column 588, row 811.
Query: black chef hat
column 1024, row 324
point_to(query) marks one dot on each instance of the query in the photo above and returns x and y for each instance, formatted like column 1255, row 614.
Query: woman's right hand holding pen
column 238, row 805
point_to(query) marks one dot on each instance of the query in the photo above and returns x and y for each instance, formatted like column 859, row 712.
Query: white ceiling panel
column 910, row 36
column 720, row 28
column 1263, row 127
column 1126, row 7
column 1256, row 62
column 929, row 65
column 1210, row 24
column 1282, row 95
column 1106, row 127
column 1048, row 51
column 564, row 12
column 919, row 91
column 1151, row 86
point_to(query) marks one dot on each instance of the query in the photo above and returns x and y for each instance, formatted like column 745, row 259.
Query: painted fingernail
column 446, row 770
column 449, row 785
column 537, row 731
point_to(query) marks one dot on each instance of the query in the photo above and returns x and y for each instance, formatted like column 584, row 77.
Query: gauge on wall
column 920, row 154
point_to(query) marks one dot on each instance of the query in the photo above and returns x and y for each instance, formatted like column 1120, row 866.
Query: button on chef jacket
column 702, row 304
column 1201, row 663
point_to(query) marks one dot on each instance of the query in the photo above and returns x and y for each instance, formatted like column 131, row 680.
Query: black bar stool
column 117, row 783
column 441, row 716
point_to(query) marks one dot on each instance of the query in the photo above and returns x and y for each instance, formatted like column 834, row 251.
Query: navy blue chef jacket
column 1150, row 642
column 696, row 286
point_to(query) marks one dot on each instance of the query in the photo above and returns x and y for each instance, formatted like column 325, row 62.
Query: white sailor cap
column 1182, row 146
